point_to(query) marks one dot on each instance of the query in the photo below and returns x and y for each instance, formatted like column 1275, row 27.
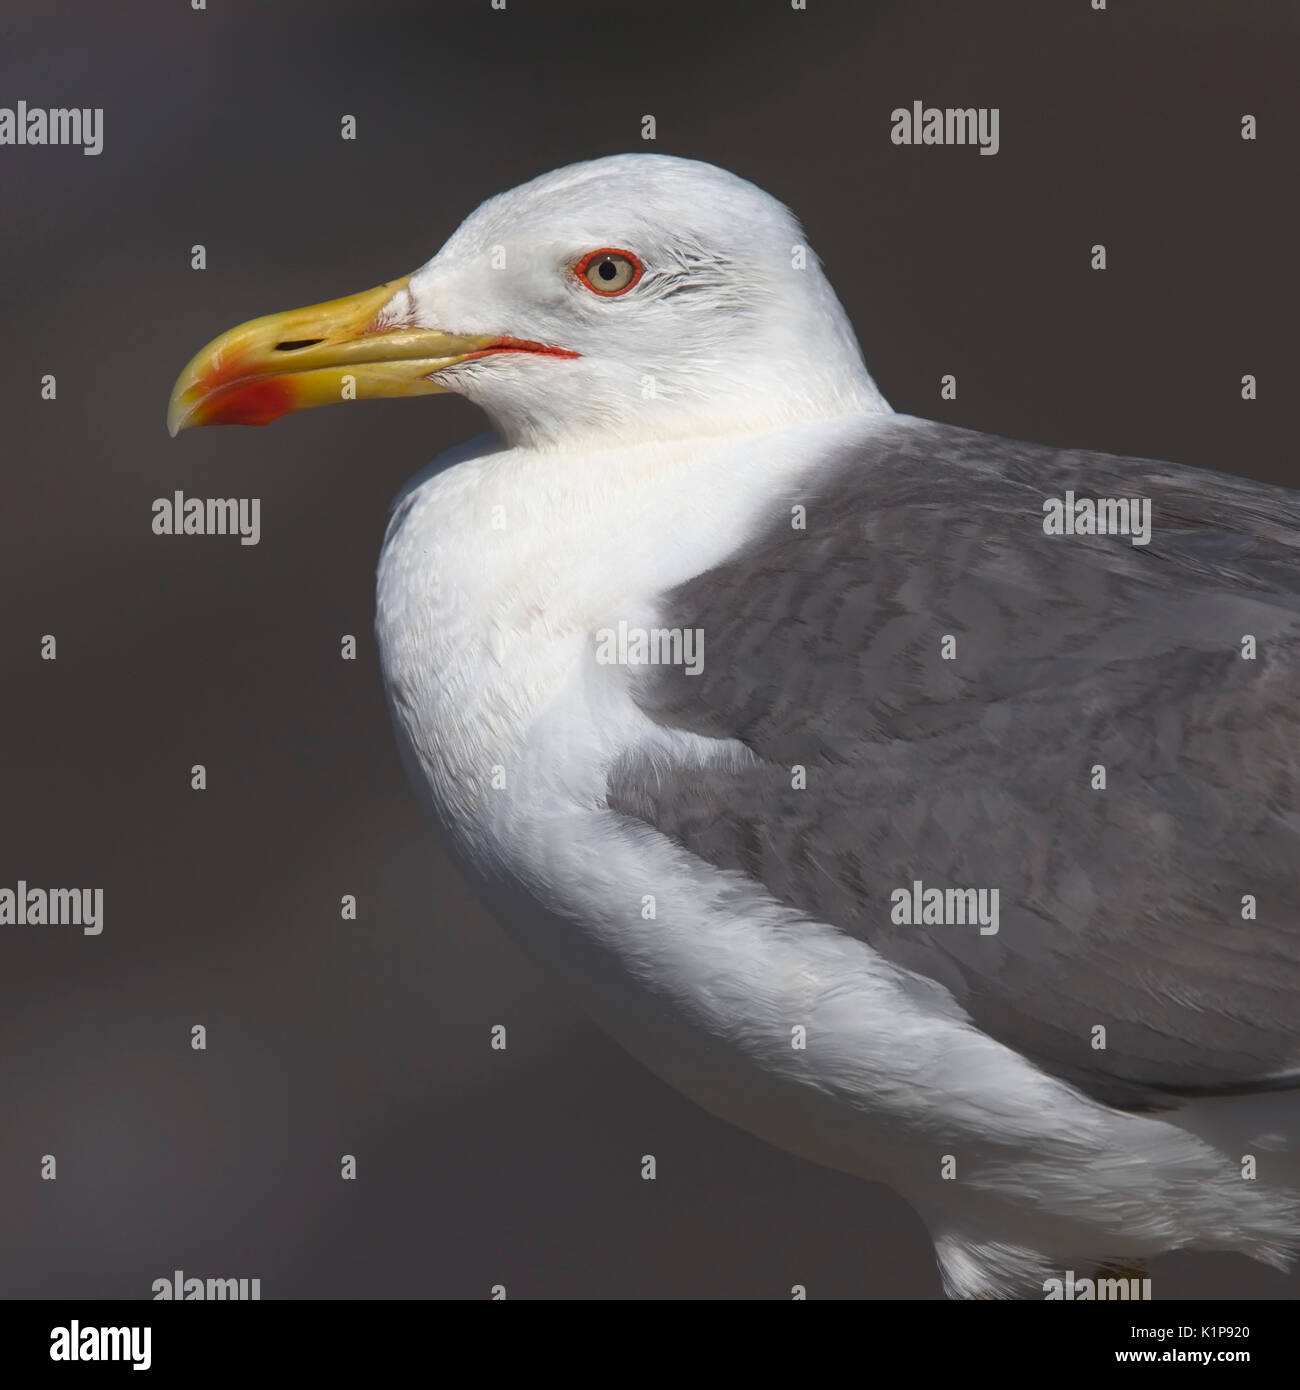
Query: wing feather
column 1120, row 907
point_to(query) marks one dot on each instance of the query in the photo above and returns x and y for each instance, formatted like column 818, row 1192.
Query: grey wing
column 1099, row 742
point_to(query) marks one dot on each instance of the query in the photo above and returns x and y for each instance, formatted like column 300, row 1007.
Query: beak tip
column 175, row 409
column 180, row 410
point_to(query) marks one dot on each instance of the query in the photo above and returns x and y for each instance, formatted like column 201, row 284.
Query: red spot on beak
column 252, row 403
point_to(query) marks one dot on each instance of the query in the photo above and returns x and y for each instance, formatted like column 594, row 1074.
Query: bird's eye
column 609, row 270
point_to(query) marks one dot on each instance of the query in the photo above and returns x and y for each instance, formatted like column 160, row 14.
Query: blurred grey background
column 327, row 1037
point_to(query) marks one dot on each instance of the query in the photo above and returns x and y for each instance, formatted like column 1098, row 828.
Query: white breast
column 498, row 571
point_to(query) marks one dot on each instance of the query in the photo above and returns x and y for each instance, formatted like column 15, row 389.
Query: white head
column 730, row 320
column 702, row 311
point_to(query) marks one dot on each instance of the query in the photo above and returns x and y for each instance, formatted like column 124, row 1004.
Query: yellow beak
column 330, row 352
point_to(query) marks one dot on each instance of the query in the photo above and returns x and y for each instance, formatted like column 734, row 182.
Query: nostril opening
column 297, row 343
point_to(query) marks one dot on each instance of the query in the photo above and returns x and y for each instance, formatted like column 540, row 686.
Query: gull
column 921, row 801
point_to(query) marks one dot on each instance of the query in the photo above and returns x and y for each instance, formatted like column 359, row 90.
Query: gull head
column 625, row 299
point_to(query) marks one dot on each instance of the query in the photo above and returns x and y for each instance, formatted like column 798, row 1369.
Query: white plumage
column 902, row 675
column 612, row 478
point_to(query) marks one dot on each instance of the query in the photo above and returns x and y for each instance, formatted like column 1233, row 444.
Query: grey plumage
column 1120, row 907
